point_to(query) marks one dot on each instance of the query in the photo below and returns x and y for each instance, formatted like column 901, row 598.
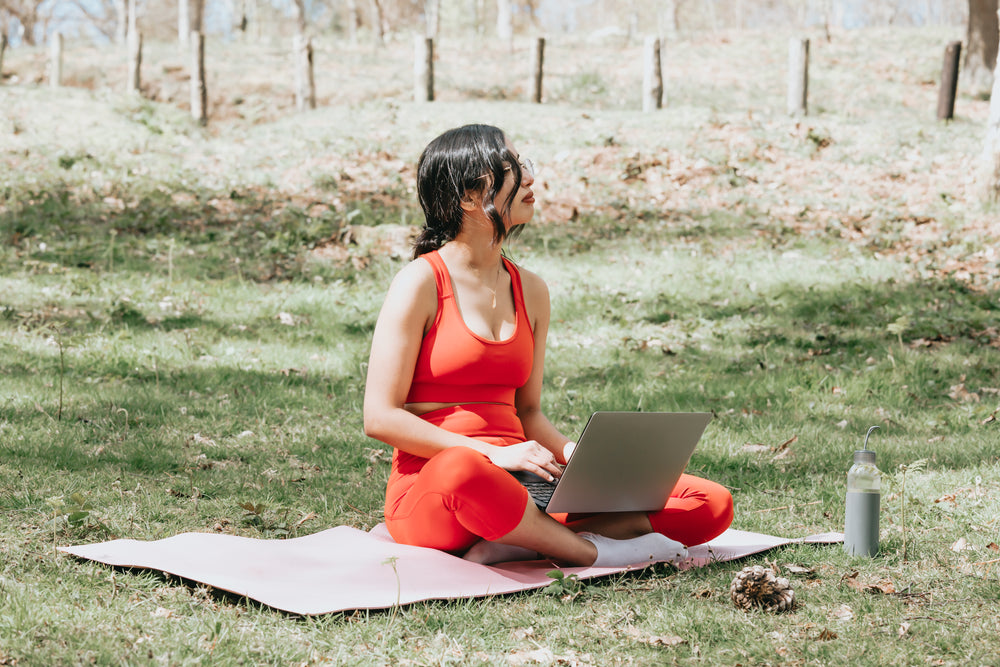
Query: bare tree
column 991, row 150
column 103, row 16
column 183, row 23
column 505, row 21
column 353, row 21
column 299, row 12
column 197, row 15
column 378, row 21
column 31, row 14
column 432, row 18
column 982, row 39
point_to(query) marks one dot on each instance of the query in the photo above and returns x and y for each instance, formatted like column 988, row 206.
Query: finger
column 550, row 470
column 544, row 474
column 552, row 465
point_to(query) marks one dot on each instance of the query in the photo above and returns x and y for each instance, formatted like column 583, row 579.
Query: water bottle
column 864, row 493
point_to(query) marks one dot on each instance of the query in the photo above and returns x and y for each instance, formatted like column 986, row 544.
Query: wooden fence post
column 55, row 59
column 305, row 82
column 3, row 49
column 652, row 76
column 949, row 81
column 538, row 67
column 423, row 69
column 133, row 83
column 199, row 90
column 798, row 76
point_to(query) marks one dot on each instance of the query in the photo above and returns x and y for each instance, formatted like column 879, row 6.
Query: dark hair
column 471, row 158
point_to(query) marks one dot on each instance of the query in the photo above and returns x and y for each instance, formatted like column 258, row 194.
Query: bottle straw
column 867, row 435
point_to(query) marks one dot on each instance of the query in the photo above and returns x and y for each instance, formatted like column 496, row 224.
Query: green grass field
column 186, row 314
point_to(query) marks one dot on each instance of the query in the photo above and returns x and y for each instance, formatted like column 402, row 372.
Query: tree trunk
column 183, row 23
column 133, row 20
column 991, row 151
column 982, row 38
column 505, row 22
column 300, row 16
column 353, row 20
column 432, row 18
column 121, row 21
column 475, row 9
column 378, row 21
column 668, row 18
column 197, row 16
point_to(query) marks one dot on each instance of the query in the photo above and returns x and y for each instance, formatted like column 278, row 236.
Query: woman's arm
column 528, row 399
column 409, row 308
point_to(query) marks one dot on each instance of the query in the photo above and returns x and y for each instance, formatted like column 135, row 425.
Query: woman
column 455, row 378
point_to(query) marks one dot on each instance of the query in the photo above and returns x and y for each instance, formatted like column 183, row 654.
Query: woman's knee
column 460, row 469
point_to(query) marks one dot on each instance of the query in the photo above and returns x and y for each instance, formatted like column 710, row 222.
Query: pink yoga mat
column 345, row 568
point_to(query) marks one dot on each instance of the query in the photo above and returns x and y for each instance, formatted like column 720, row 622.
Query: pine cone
column 757, row 587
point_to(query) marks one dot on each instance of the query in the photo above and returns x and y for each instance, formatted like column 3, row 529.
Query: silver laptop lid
column 628, row 461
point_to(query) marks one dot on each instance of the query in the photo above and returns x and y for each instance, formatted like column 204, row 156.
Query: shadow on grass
column 158, row 227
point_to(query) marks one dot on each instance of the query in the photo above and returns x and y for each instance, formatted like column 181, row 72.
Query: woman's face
column 522, row 207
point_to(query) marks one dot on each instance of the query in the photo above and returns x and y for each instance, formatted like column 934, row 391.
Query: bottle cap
column 864, row 456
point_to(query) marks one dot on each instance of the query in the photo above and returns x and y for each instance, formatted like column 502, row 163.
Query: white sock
column 485, row 552
column 651, row 547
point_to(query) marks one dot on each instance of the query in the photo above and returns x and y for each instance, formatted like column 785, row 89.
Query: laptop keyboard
column 539, row 489
column 540, row 492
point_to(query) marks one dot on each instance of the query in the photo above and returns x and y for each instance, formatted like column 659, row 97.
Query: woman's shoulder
column 531, row 282
column 416, row 278
column 536, row 295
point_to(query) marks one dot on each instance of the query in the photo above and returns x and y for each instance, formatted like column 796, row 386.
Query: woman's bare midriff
column 423, row 408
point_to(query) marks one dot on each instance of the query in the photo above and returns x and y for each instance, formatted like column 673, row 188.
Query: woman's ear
column 471, row 201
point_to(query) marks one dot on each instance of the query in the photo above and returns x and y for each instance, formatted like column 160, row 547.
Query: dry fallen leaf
column 666, row 640
column 842, row 613
column 885, row 587
column 904, row 628
column 539, row 655
column 827, row 635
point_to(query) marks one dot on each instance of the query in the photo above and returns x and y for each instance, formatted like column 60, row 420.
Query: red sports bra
column 457, row 366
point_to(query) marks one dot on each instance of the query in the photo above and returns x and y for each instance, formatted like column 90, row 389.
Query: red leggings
column 450, row 501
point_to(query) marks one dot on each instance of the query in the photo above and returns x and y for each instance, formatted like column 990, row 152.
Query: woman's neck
column 476, row 257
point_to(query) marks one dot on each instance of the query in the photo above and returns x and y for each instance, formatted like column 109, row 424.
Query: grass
column 178, row 355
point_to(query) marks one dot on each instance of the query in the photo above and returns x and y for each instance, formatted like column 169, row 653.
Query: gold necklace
column 496, row 283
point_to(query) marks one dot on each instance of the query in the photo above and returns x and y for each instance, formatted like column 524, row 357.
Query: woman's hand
column 529, row 456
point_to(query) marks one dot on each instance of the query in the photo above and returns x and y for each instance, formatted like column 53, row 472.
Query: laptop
column 623, row 461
